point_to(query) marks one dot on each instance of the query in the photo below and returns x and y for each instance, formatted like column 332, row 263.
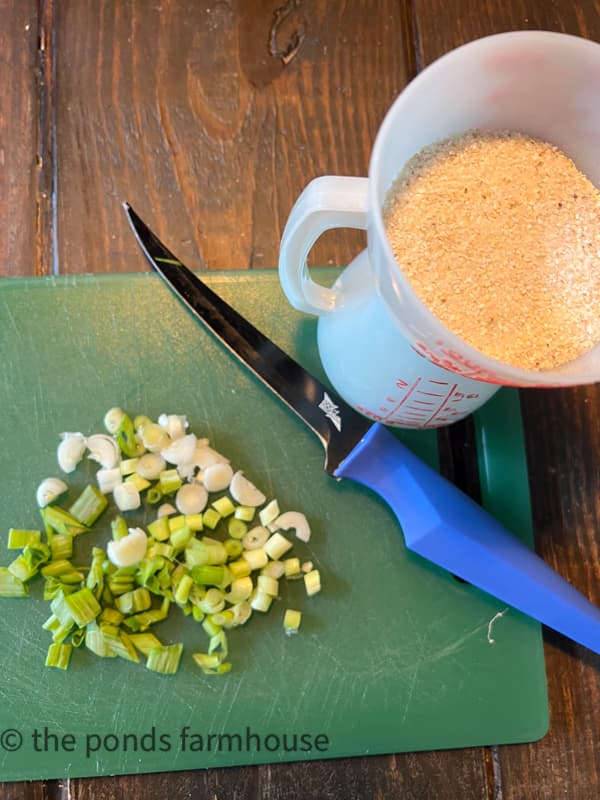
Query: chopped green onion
column 140, row 420
column 169, row 481
column 154, row 495
column 159, row 529
column 108, row 605
column 277, row 545
column 236, row 528
column 212, row 575
column 98, row 642
column 128, row 466
column 137, row 600
column 119, row 528
column 268, row 585
column 18, row 539
column 111, row 616
column 211, row 518
column 256, row 558
column 61, row 546
column 255, row 538
column 59, row 655
column 164, row 659
column 292, row 568
column 109, row 479
column 176, row 523
column 182, row 592
column 95, row 577
column 50, row 490
column 239, row 590
column 119, row 643
column 291, row 621
column 269, row 513
column 141, row 484
column 119, row 424
column 245, row 513
column 29, row 562
column 144, row 642
column 312, row 582
column 10, row 585
column 62, row 522
column 83, row 606
column 60, row 610
column 150, row 466
column 210, row 627
column 233, row 547
column 127, row 497
column 191, row 498
column 194, row 522
column 223, row 506
column 274, row 569
column 205, row 552
column 59, row 568
column 241, row 612
column 261, row 601
column 218, row 643
column 212, row 602
column 130, row 550
column 89, row 505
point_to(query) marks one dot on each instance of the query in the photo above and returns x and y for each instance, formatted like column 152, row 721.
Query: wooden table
column 211, row 117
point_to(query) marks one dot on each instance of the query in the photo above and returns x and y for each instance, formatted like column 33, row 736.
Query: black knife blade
column 337, row 426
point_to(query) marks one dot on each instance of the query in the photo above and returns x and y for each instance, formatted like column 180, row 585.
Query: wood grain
column 188, row 111
column 562, row 434
column 19, row 119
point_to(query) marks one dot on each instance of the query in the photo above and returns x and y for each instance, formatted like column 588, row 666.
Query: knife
column 439, row 522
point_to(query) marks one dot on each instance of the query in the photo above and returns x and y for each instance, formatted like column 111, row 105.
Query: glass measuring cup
column 381, row 347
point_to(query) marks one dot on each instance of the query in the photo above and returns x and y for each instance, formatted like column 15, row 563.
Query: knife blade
column 438, row 521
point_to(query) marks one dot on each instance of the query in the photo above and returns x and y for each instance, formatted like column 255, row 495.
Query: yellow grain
column 499, row 234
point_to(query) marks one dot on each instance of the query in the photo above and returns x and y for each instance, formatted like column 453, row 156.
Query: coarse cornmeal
column 499, row 235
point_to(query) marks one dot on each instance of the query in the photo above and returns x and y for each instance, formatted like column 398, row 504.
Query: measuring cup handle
column 327, row 202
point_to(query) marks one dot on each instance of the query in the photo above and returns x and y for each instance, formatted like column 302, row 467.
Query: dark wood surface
column 210, row 118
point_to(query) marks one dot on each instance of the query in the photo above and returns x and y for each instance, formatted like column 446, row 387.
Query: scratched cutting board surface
column 393, row 655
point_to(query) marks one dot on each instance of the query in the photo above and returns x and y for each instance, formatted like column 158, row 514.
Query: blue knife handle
column 446, row 527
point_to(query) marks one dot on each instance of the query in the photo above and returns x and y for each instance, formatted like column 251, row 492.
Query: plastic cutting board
column 393, row 655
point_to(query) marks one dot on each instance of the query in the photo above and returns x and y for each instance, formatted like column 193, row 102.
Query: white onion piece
column 292, row 520
column 191, row 498
column 186, row 471
column 269, row 513
column 174, row 424
column 217, row 477
column 109, row 479
column 104, row 450
column 180, row 451
column 165, row 510
column 49, row 490
column 129, row 550
column 150, row 465
column 127, row 497
column 70, row 451
column 205, row 456
column 255, row 538
column 244, row 492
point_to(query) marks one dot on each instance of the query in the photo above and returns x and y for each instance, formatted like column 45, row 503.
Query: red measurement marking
column 404, row 399
column 443, row 405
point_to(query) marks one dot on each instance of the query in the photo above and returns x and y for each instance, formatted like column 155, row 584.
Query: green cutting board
column 393, row 655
